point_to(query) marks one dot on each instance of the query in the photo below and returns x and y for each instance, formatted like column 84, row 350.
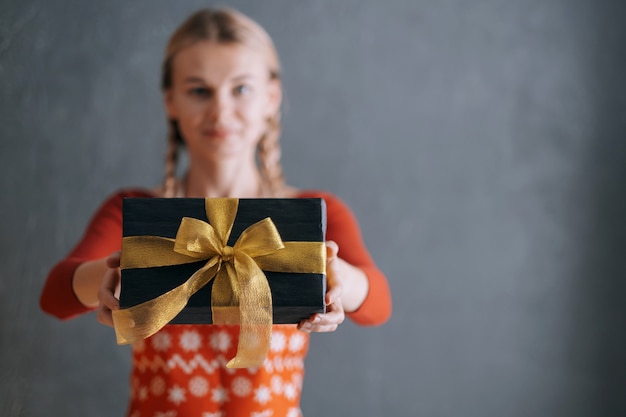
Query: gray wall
column 481, row 145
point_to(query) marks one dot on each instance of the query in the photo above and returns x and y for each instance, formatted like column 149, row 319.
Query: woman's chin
column 218, row 150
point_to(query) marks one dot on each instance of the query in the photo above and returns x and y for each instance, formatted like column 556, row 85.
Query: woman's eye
column 242, row 89
column 200, row 92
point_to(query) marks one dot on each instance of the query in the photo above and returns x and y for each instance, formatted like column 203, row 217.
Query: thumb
column 113, row 261
column 331, row 250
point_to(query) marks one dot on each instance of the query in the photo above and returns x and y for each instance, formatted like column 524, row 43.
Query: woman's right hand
column 109, row 290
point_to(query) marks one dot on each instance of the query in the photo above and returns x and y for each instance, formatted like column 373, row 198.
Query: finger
column 105, row 316
column 113, row 261
column 318, row 328
column 324, row 322
column 331, row 250
column 334, row 288
column 334, row 315
column 333, row 294
column 106, row 293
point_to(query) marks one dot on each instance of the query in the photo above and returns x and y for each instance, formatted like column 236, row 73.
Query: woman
column 222, row 94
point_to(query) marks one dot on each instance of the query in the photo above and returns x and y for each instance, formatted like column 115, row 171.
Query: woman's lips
column 218, row 133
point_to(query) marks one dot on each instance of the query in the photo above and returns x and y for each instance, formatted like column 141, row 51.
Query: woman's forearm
column 87, row 279
column 355, row 286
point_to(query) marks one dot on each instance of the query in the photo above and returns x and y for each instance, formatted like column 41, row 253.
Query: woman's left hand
column 334, row 315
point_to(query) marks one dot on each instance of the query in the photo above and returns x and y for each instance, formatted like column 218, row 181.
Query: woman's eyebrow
column 193, row 80
column 242, row 77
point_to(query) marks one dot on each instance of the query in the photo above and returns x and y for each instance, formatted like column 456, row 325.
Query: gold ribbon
column 240, row 293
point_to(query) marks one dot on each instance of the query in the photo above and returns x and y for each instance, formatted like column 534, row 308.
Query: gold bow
column 240, row 293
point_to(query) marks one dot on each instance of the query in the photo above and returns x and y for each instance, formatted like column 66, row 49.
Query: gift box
column 252, row 262
column 295, row 296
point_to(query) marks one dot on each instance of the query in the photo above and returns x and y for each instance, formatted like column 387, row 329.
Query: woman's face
column 221, row 97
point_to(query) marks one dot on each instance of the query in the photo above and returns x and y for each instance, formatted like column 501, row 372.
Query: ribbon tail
column 225, row 297
column 143, row 320
column 255, row 309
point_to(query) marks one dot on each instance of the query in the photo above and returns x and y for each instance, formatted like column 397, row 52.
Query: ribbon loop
column 260, row 239
column 197, row 239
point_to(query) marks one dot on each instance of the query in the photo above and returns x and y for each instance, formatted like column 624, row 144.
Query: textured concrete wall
column 481, row 145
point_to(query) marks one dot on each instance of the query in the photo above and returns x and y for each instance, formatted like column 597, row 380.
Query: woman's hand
column 109, row 290
column 334, row 289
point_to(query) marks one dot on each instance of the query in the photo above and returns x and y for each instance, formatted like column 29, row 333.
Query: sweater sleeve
column 102, row 237
column 343, row 228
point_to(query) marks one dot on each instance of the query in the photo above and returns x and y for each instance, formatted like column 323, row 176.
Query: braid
column 269, row 157
column 171, row 161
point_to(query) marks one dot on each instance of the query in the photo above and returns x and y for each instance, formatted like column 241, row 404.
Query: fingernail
column 316, row 320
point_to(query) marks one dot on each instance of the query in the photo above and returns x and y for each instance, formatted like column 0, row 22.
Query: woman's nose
column 220, row 108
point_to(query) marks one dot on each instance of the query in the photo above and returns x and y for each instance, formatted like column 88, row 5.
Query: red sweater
column 180, row 370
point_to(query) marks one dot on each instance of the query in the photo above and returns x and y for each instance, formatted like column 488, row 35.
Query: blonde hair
column 224, row 26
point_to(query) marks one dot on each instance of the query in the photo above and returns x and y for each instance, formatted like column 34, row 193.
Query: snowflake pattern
column 219, row 395
column 143, row 393
column 278, row 363
column 296, row 342
column 294, row 412
column 185, row 367
column 290, row 391
column 291, row 362
column 277, row 384
column 220, row 341
column 157, row 386
column 278, row 342
column 161, row 341
column 241, row 386
column 297, row 380
column 198, row 386
column 190, row 341
column 262, row 395
column 176, row 395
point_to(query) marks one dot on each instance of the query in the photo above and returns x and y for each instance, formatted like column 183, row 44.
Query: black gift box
column 295, row 296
